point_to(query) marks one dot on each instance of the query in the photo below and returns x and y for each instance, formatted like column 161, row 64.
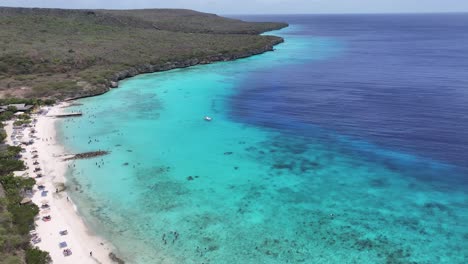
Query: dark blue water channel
column 399, row 82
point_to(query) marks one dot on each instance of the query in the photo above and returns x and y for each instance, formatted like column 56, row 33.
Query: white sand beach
column 61, row 209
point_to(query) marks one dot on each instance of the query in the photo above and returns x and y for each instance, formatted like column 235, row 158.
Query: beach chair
column 36, row 240
column 67, row 252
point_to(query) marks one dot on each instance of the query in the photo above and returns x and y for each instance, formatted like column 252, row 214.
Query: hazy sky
column 260, row 6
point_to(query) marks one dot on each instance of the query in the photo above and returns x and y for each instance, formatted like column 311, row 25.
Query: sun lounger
column 67, row 252
column 63, row 232
column 63, row 244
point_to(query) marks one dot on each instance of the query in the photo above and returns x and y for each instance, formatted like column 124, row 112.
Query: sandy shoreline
column 79, row 239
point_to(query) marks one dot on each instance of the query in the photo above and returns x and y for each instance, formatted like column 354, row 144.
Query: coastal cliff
column 65, row 54
column 112, row 82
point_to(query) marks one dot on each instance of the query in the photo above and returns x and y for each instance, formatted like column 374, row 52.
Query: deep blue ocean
column 347, row 144
column 399, row 81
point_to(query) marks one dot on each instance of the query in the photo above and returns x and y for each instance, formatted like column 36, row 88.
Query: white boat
column 207, row 118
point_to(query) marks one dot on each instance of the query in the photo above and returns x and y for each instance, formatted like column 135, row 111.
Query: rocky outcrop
column 87, row 155
column 114, row 84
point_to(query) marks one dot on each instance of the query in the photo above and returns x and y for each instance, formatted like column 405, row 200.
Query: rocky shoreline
column 112, row 82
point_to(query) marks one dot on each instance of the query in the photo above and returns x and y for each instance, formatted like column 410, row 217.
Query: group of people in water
column 174, row 235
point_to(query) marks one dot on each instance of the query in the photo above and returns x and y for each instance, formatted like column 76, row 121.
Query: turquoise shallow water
column 177, row 189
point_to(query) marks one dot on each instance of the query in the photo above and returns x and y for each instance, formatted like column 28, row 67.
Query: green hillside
column 71, row 53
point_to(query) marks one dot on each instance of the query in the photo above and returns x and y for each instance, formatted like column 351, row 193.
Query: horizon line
column 351, row 13
column 259, row 14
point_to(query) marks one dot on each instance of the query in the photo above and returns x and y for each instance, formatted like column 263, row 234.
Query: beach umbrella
column 45, row 201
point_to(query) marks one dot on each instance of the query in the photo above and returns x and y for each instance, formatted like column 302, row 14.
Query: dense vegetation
column 67, row 53
column 8, row 114
column 16, row 220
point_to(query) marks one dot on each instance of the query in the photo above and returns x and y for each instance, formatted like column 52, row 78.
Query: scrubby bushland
column 16, row 220
column 66, row 53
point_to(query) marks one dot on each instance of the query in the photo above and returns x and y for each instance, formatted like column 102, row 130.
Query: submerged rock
column 116, row 259
column 88, row 155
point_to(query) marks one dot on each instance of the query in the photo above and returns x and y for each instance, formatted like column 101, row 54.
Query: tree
column 37, row 256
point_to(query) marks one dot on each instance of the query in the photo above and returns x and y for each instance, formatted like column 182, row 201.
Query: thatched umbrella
column 25, row 200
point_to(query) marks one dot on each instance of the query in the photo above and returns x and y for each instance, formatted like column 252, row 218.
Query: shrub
column 7, row 115
column 37, row 256
column 21, row 122
column 11, row 259
column 15, row 219
column 10, row 165
column 3, row 134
